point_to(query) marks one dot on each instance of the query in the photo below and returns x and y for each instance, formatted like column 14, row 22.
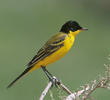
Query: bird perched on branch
column 55, row 48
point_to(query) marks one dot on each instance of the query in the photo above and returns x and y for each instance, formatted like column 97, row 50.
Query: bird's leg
column 48, row 74
column 51, row 78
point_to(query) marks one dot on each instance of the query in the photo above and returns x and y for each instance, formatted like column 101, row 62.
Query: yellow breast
column 68, row 42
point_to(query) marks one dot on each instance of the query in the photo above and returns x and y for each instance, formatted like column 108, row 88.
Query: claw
column 55, row 81
column 51, row 78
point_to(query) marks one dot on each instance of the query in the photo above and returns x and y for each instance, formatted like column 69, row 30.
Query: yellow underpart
column 68, row 42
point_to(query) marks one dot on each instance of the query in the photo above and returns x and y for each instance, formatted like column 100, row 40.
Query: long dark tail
column 22, row 74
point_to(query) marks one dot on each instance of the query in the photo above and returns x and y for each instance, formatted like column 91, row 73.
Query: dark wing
column 52, row 45
column 55, row 43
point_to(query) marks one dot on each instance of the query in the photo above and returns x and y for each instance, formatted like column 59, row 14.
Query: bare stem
column 50, row 84
column 85, row 93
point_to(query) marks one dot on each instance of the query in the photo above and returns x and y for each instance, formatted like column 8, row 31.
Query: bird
column 54, row 49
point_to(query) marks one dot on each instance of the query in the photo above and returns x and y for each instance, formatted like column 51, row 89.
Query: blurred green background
column 25, row 25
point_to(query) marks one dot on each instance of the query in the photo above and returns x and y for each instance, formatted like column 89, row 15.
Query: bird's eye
column 72, row 29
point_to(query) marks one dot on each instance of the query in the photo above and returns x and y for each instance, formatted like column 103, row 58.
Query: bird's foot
column 55, row 81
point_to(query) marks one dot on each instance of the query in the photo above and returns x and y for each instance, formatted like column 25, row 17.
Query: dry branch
column 85, row 93
column 50, row 84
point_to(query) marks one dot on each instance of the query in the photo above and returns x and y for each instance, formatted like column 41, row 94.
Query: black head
column 70, row 26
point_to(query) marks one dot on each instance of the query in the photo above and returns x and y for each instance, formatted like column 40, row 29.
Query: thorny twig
column 85, row 93
column 76, row 95
column 45, row 91
column 103, row 82
column 50, row 84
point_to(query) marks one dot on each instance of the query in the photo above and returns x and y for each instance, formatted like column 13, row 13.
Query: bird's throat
column 74, row 33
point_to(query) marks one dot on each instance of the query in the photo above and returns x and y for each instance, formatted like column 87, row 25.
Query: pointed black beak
column 84, row 29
